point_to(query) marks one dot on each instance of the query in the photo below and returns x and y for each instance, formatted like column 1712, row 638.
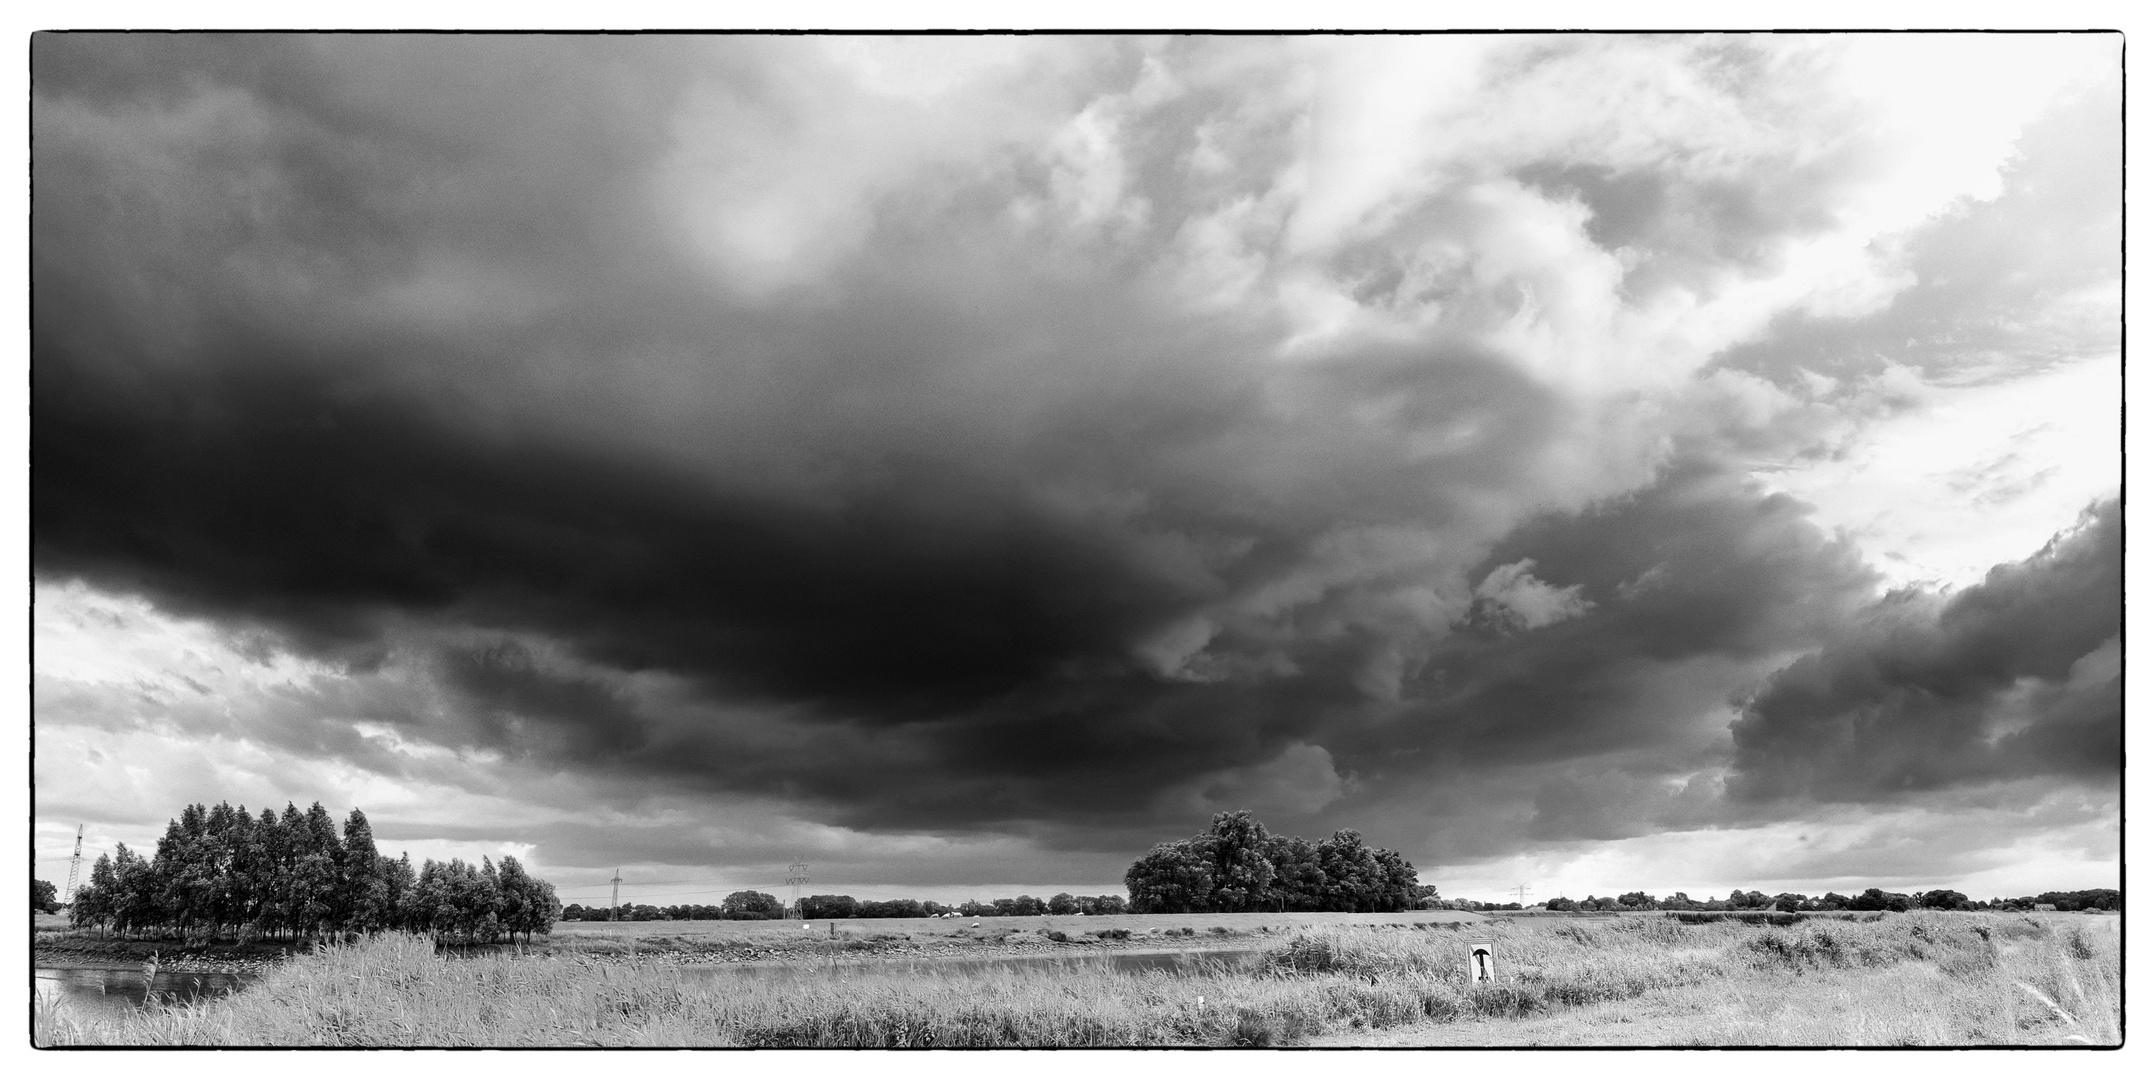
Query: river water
column 109, row 991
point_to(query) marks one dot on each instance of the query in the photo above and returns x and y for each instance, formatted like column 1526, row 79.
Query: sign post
column 1481, row 965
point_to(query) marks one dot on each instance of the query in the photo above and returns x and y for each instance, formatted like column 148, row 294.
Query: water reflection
column 112, row 991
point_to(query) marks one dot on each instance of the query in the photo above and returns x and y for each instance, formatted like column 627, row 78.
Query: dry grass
column 1919, row 979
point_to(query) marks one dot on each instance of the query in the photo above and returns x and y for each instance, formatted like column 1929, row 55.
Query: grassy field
column 1016, row 930
column 1914, row 979
column 720, row 942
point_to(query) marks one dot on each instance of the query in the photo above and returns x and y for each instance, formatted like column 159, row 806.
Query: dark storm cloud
column 277, row 497
column 706, row 420
column 856, row 522
column 999, row 628
column 1699, row 566
column 2020, row 675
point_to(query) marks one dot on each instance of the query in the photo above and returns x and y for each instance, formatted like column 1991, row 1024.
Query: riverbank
column 1920, row 979
column 67, row 951
column 682, row 944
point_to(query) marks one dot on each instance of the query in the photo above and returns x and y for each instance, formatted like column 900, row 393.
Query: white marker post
column 1482, row 966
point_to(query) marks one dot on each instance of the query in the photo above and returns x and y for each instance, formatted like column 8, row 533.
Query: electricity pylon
column 74, row 869
column 797, row 876
column 614, row 915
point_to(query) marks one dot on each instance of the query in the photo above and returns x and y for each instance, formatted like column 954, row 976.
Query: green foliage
column 43, row 897
column 1880, row 900
column 749, row 904
column 892, row 909
column 1238, row 865
column 828, row 907
column 218, row 871
column 1172, row 878
column 2082, row 900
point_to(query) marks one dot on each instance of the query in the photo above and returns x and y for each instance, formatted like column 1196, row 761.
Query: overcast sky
column 1593, row 463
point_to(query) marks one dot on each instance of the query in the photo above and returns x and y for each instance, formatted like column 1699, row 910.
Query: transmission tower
column 614, row 915
column 797, row 876
column 74, row 869
column 1521, row 890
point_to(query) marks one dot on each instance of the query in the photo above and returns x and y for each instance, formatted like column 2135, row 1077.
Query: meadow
column 1916, row 979
column 1033, row 933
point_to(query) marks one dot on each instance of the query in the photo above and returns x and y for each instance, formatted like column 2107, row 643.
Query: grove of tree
column 220, row 872
column 1238, row 865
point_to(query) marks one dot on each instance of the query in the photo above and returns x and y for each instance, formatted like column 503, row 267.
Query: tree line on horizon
column 745, row 904
column 1239, row 865
column 219, row 872
column 1867, row 900
column 749, row 904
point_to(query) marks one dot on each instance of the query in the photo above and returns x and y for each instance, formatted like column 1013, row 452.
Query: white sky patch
column 140, row 714
column 1952, row 106
column 93, row 636
column 1972, row 476
column 87, row 776
column 2062, row 843
column 1531, row 602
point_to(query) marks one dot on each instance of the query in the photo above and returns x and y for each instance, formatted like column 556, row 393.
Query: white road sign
column 1482, row 965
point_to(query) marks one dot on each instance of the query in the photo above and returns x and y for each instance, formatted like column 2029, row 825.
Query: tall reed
column 2008, row 982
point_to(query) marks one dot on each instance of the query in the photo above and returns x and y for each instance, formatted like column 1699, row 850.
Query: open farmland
column 568, row 934
column 1922, row 979
column 707, row 942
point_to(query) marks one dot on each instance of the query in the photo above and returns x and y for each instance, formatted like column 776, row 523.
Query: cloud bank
column 972, row 459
